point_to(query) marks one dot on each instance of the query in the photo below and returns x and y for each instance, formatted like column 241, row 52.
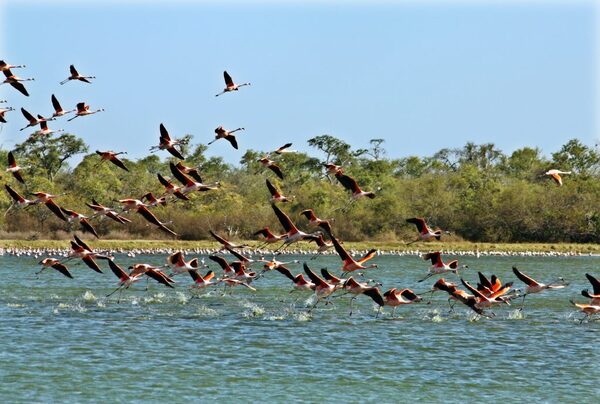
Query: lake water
column 63, row 340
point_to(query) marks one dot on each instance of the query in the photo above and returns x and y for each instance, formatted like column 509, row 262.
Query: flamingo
column 555, row 174
column 154, row 201
column 333, row 169
column 58, row 110
column 230, row 85
column 80, row 249
column 596, row 288
column 459, row 295
column 425, row 233
column 270, row 238
column 202, row 281
column 487, row 301
column 588, row 309
column 395, row 298
column 14, row 168
column 189, row 184
column 362, row 288
column 151, row 272
column 284, row 149
column 179, row 265
column 222, row 133
column 322, row 246
column 172, row 189
column 166, row 143
column 44, row 130
column 351, row 185
column 48, row 200
column 439, row 267
column 4, row 111
column 18, row 199
column 299, row 282
column 76, row 76
column 83, row 110
column 56, row 264
column 534, row 286
column 314, row 220
column 112, row 157
column 276, row 196
column 222, row 262
column 226, row 244
column 274, row 264
column 5, row 66
column 71, row 216
column 271, row 165
column 241, row 274
column 141, row 208
column 106, row 211
column 349, row 263
column 125, row 280
column 33, row 121
column 292, row 234
column 193, row 172
column 16, row 82
column 322, row 288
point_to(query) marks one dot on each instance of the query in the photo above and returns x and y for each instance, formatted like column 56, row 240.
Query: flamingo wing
column 284, row 219
column 228, row 79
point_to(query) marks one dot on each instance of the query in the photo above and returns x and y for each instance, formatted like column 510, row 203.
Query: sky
column 421, row 75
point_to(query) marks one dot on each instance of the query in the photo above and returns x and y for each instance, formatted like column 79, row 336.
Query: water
column 62, row 340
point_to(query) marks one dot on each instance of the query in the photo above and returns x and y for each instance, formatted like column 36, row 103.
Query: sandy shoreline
column 136, row 247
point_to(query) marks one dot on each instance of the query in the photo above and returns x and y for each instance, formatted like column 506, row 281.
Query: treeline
column 476, row 192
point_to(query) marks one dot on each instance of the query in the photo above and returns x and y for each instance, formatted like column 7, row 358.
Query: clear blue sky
column 421, row 76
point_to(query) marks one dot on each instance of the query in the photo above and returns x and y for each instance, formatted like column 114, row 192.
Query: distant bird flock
column 480, row 298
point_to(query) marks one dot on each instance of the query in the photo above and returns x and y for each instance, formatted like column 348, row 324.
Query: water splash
column 516, row 314
column 182, row 298
column 88, row 297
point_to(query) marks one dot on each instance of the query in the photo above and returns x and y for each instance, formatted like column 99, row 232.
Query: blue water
column 63, row 340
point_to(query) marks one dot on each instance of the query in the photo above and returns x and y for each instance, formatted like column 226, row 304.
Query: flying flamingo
column 226, row 244
column 172, row 189
column 241, row 274
column 200, row 281
column 18, row 199
column 72, row 216
column 315, row 221
column 276, row 196
column 80, row 249
column 179, row 265
column 58, row 110
column 108, row 212
column 555, row 174
column 230, row 85
column 44, row 130
column 5, row 66
column 14, row 168
column 439, row 267
column 484, row 301
column 534, row 286
column 192, row 171
column 299, row 282
column 351, row 185
column 166, row 143
column 222, row 262
column 151, row 272
column 271, row 165
column 292, row 234
column 83, row 110
column 284, row 149
column 190, row 185
column 112, row 157
column 48, row 200
column 459, row 295
column 425, row 233
column 322, row 246
column 56, row 264
column 15, row 81
column 333, row 169
column 76, row 76
column 141, row 208
column 322, row 289
column 270, row 238
column 588, row 309
column 33, row 121
column 222, row 133
column 3, row 111
column 154, row 201
column 349, row 263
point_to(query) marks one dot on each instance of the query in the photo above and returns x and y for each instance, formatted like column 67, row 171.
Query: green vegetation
column 476, row 192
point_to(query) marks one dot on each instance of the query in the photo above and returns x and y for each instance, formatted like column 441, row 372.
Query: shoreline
column 462, row 248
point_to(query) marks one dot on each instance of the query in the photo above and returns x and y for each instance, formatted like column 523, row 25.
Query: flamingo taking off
column 72, row 216
column 349, row 263
column 395, row 298
column 56, row 264
column 595, row 296
column 222, row 133
column 292, row 234
column 83, row 110
column 125, row 280
column 425, row 233
column 76, row 76
column 555, row 174
column 276, row 196
column 438, row 266
column 230, row 85
column 16, row 81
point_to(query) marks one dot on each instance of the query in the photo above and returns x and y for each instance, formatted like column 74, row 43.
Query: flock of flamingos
column 480, row 298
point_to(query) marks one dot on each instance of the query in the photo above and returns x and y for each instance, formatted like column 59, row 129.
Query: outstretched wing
column 20, row 87
column 56, row 104
column 181, row 177
column 284, row 219
column 347, row 182
column 228, row 79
